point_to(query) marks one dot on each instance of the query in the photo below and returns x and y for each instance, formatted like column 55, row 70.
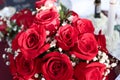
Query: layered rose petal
column 23, row 17
column 83, row 25
column 86, row 47
column 67, row 37
column 57, row 66
column 21, row 68
column 49, row 19
column 32, row 42
column 46, row 3
column 92, row 71
column 101, row 42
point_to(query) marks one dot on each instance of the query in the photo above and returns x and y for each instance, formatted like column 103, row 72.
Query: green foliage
column 64, row 13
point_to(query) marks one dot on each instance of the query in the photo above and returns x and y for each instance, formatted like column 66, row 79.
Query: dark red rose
column 49, row 19
column 83, row 25
column 57, row 66
column 92, row 71
column 32, row 41
column 101, row 41
column 21, row 68
column 67, row 37
column 3, row 25
column 2, row 2
column 86, row 47
column 23, row 17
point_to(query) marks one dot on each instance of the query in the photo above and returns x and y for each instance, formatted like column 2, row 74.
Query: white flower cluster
column 7, row 11
column 109, row 62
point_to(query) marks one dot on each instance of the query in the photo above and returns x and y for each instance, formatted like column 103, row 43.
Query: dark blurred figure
column 2, row 4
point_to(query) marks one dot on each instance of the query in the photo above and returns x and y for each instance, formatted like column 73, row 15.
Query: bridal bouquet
column 54, row 43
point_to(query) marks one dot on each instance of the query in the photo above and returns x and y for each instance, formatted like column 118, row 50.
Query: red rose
column 57, row 66
column 3, row 25
column 49, row 19
column 83, row 25
column 74, row 14
column 2, row 2
column 22, row 68
column 23, row 17
column 101, row 41
column 92, row 71
column 41, row 3
column 15, row 45
column 32, row 41
column 67, row 37
column 86, row 47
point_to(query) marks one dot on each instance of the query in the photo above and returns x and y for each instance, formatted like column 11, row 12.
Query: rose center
column 56, row 68
column 32, row 41
column 44, row 17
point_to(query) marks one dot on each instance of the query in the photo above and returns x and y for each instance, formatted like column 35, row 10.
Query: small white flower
column 73, row 63
column 105, row 74
column 43, row 8
column 47, row 32
column 87, row 61
column 15, row 28
column 18, row 50
column 60, row 49
column 14, row 20
column 104, row 78
column 57, row 34
column 36, row 75
column 113, row 64
column 1, row 35
column 42, row 78
column 64, row 23
column 70, row 18
column 108, row 71
column 108, row 61
column 33, row 12
column 95, row 59
column 107, row 65
column 4, row 56
column 50, row 6
column 53, row 43
column 7, row 63
column 73, row 56
column 104, row 54
column 48, row 39
column 8, row 49
column 16, row 54
column 99, row 52
column 102, row 60
column 25, row 12
column 58, row 8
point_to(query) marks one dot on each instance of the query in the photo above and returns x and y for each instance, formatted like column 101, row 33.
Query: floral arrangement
column 54, row 43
